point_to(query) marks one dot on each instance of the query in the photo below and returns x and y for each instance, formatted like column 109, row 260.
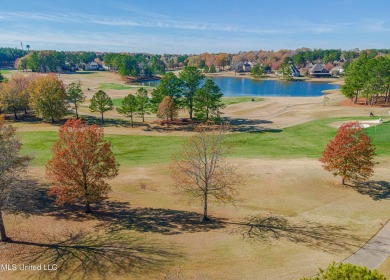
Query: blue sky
column 191, row 27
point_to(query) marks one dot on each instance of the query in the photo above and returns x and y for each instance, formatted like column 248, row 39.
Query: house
column 295, row 71
column 318, row 70
column 268, row 69
column 336, row 71
column 246, row 67
column 92, row 66
column 243, row 67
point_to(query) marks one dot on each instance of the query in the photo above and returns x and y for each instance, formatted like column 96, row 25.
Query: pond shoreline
column 232, row 74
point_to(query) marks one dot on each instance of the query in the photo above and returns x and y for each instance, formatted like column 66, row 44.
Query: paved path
column 375, row 251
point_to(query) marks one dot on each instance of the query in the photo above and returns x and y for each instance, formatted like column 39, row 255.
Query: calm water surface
column 247, row 87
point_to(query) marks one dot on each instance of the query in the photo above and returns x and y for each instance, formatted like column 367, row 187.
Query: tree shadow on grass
column 171, row 128
column 81, row 255
column 249, row 125
column 377, row 190
column 32, row 199
column 110, row 122
column 314, row 235
column 29, row 197
column 116, row 216
column 22, row 117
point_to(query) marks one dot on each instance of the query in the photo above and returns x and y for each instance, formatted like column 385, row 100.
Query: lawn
column 114, row 86
column 381, row 136
column 306, row 140
column 236, row 100
column 152, row 231
column 225, row 100
column 5, row 71
column 117, row 101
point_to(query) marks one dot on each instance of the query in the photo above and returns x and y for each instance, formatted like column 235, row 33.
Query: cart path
column 375, row 251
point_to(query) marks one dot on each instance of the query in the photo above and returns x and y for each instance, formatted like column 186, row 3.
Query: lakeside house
column 318, row 70
column 295, row 71
column 337, row 71
column 244, row 67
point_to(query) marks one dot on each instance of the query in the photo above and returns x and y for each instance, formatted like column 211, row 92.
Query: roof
column 317, row 68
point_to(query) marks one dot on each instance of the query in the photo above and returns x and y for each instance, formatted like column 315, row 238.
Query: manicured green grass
column 117, row 101
column 115, row 86
column 225, row 100
column 236, row 100
column 5, row 71
column 129, row 150
column 38, row 144
column 381, row 138
column 304, row 140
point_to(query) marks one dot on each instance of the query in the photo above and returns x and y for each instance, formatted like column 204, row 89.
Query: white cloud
column 289, row 27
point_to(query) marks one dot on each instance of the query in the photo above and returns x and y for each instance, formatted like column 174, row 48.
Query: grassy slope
column 304, row 140
column 115, row 86
column 5, row 71
column 236, row 100
column 226, row 100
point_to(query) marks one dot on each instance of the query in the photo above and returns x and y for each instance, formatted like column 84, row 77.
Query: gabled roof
column 317, row 68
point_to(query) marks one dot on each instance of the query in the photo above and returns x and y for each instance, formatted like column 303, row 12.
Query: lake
column 248, row 87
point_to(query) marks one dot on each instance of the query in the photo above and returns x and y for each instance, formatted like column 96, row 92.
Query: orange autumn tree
column 81, row 163
column 350, row 155
column 167, row 109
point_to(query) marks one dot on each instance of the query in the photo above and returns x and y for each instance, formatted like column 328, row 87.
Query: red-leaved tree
column 167, row 109
column 82, row 161
column 351, row 154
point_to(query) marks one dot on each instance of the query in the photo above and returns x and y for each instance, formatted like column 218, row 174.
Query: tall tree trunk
column 77, row 114
column 388, row 94
column 343, row 181
column 52, row 119
column 3, row 234
column 15, row 115
column 87, row 207
column 205, row 217
column 131, row 118
column 102, row 118
column 190, row 109
column 143, row 116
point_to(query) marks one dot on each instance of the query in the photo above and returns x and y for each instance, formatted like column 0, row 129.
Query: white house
column 91, row 66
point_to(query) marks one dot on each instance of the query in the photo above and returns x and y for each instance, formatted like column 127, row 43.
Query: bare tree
column 12, row 165
column 201, row 168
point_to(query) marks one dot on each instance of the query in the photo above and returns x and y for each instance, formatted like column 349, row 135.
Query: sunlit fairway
column 225, row 100
column 291, row 142
column 114, row 86
column 5, row 71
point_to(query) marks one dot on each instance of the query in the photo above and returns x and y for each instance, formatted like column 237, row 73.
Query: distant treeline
column 135, row 64
column 274, row 59
column 54, row 61
column 8, row 56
